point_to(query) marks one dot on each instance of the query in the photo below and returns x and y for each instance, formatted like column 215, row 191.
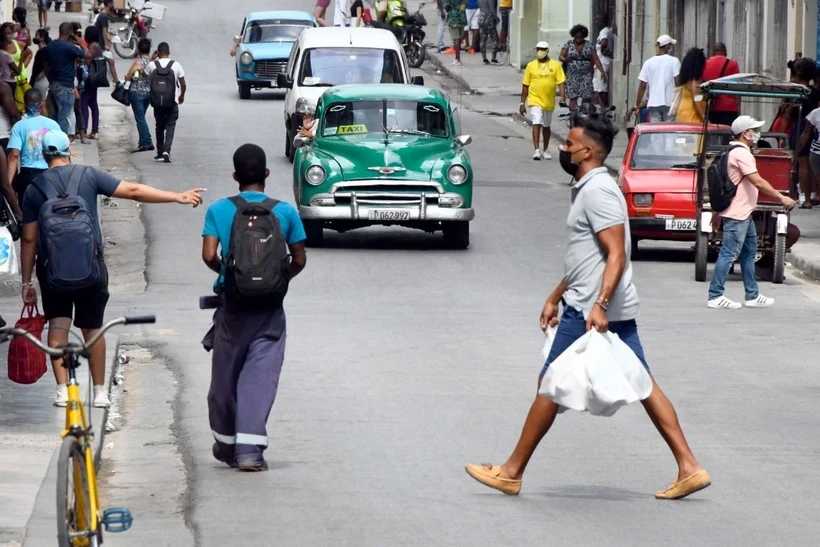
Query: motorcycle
column 396, row 13
column 414, row 38
column 138, row 24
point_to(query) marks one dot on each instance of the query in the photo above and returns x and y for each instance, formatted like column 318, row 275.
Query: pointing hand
column 191, row 197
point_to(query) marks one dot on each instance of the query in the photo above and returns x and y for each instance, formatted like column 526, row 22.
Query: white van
column 327, row 56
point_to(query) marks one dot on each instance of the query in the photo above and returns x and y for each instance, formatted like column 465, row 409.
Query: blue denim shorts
column 573, row 326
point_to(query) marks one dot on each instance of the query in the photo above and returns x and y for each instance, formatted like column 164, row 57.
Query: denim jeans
column 442, row 23
column 658, row 114
column 139, row 104
column 63, row 103
column 739, row 239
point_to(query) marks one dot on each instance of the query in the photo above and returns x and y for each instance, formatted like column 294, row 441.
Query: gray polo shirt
column 597, row 204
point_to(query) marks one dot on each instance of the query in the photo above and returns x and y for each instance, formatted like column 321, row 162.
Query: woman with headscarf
column 691, row 107
column 580, row 58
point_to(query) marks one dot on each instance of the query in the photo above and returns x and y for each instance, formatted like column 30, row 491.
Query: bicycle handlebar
column 77, row 349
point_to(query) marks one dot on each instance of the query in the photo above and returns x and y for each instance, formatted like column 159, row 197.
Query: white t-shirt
column 814, row 119
column 176, row 68
column 342, row 8
column 605, row 34
column 659, row 74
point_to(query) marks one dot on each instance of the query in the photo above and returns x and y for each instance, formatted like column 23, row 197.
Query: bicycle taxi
column 776, row 162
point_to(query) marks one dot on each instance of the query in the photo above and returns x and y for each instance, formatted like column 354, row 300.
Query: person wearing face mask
column 541, row 77
column 25, row 144
column 739, row 232
column 580, row 57
column 597, row 293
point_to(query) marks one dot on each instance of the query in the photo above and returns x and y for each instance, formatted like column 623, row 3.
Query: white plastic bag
column 8, row 253
column 550, row 338
column 599, row 374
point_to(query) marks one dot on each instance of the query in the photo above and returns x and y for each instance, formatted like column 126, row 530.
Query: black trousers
column 166, row 118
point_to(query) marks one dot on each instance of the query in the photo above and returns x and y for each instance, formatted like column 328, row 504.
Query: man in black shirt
column 102, row 24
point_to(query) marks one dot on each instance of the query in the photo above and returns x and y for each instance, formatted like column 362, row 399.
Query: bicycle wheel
column 73, row 499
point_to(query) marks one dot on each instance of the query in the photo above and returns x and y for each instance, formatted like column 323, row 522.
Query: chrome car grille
column 269, row 69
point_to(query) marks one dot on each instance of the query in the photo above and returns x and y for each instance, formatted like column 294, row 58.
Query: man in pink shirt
column 739, row 232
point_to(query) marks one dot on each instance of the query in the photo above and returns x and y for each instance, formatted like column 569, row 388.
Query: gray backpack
column 70, row 247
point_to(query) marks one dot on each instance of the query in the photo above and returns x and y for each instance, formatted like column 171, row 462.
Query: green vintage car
column 384, row 155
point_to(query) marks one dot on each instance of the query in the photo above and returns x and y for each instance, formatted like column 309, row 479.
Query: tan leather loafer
column 490, row 475
column 682, row 488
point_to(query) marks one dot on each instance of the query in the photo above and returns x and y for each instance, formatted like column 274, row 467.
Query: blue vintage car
column 264, row 46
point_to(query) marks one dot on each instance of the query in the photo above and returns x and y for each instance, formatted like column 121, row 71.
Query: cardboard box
column 74, row 7
column 119, row 4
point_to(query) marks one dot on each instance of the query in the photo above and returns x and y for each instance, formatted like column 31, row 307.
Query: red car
column 659, row 179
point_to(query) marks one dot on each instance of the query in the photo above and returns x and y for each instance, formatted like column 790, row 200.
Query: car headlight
column 246, row 58
column 315, row 175
column 642, row 200
column 457, row 174
column 303, row 106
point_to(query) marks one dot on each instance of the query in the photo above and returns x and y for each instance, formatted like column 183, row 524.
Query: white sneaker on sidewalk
column 546, row 155
column 723, row 302
column 537, row 155
column 101, row 397
column 62, row 395
column 760, row 302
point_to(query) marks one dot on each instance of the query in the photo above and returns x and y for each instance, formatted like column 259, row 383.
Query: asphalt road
column 405, row 360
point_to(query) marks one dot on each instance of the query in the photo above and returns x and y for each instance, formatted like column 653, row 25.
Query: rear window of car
column 672, row 150
column 327, row 67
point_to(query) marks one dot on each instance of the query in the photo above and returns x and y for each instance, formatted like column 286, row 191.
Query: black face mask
column 566, row 163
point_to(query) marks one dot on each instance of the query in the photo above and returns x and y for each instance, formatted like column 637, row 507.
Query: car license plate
column 682, row 224
column 389, row 214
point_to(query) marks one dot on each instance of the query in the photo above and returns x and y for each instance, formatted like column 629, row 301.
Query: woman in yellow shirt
column 691, row 108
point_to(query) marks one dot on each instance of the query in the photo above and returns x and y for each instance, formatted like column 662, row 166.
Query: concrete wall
column 6, row 9
column 525, row 21
column 549, row 20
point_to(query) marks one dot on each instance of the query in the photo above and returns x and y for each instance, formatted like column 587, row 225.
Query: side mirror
column 283, row 81
column 464, row 140
column 417, row 80
column 299, row 141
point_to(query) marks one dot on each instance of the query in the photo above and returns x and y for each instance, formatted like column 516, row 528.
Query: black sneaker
column 251, row 463
column 496, row 62
column 158, row 157
column 166, row 157
column 224, row 458
column 486, row 62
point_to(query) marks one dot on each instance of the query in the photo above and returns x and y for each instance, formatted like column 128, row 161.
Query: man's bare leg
column 536, row 136
column 539, row 420
column 663, row 415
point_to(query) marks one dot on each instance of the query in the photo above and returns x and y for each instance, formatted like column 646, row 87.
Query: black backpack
column 163, row 85
column 70, row 246
column 257, row 269
column 721, row 188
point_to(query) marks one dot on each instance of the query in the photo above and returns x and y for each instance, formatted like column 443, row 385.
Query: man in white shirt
column 604, row 47
column 660, row 74
column 168, row 87
column 340, row 13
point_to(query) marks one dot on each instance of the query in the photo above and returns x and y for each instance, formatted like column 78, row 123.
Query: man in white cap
column 739, row 232
column 660, row 74
column 541, row 77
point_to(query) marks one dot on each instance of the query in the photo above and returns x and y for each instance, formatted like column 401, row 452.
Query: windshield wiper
column 320, row 84
column 411, row 132
column 684, row 165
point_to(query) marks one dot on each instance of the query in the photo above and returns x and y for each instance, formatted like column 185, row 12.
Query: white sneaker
column 546, row 155
column 723, row 302
column 101, row 397
column 62, row 395
column 537, row 155
column 760, row 302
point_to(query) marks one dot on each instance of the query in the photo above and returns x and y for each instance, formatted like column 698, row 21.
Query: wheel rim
column 77, row 518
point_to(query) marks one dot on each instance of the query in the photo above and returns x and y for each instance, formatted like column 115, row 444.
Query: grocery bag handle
column 32, row 309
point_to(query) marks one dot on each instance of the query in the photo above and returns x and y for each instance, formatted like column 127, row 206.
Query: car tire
column 635, row 252
column 288, row 146
column 456, row 234
column 701, row 256
column 779, row 258
column 314, row 232
column 244, row 91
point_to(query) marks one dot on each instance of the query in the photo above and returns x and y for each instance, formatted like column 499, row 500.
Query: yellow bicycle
column 79, row 520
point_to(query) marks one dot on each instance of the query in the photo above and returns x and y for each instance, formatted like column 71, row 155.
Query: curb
column 807, row 266
column 436, row 62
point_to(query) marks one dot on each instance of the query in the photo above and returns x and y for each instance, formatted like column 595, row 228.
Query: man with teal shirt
column 248, row 344
column 25, row 144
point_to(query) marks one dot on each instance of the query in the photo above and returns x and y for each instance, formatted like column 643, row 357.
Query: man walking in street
column 725, row 109
column 248, row 335
column 25, row 144
column 541, row 77
column 62, row 55
column 86, row 304
column 597, row 293
column 167, row 77
column 488, row 27
column 604, row 49
column 660, row 74
column 102, row 24
column 739, row 232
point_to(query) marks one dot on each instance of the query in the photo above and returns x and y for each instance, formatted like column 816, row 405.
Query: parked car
column 387, row 155
column 264, row 47
column 325, row 57
column 658, row 177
